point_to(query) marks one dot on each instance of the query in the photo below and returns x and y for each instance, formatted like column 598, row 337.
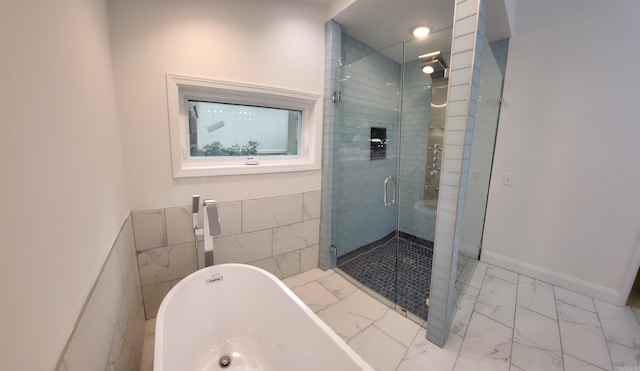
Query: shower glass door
column 386, row 162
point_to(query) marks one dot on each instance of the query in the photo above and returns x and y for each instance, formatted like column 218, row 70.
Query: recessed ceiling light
column 428, row 70
column 421, row 31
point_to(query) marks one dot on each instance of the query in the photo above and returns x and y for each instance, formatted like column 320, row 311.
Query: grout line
column 536, row 312
column 513, row 329
column 555, row 304
column 604, row 336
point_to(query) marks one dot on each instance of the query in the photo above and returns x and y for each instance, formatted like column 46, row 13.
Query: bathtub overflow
column 225, row 361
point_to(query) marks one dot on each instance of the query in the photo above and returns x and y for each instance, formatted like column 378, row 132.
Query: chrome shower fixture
column 433, row 63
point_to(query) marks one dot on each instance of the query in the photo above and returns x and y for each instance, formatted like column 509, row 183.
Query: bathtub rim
column 159, row 343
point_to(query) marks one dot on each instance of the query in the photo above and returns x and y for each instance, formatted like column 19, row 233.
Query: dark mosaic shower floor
column 375, row 265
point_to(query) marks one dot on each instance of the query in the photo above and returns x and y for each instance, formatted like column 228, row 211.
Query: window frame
column 181, row 89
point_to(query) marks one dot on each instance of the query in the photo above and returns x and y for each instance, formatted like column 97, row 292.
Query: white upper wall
column 569, row 134
column 63, row 192
column 274, row 43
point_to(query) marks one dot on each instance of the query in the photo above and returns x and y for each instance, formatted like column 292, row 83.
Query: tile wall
column 370, row 84
column 416, row 123
column 278, row 234
column 464, row 82
column 110, row 331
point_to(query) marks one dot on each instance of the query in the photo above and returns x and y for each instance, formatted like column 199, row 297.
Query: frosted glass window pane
column 221, row 129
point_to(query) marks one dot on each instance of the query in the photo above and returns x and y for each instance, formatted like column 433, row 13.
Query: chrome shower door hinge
column 335, row 97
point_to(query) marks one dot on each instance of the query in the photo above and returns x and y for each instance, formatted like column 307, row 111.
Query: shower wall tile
column 455, row 138
column 466, row 9
column 179, row 225
column 369, row 99
column 464, row 43
column 450, row 178
column 109, row 331
column 166, row 263
column 463, row 59
column 272, row 212
column 468, row 24
column 459, row 92
column 458, row 108
column 455, row 152
column 465, row 26
column 460, row 77
column 149, row 229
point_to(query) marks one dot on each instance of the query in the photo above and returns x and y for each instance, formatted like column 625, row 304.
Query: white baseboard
column 469, row 251
column 557, row 279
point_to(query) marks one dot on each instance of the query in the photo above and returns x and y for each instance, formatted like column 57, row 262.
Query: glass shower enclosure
column 384, row 153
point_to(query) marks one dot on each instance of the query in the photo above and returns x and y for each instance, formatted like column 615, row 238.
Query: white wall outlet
column 506, row 179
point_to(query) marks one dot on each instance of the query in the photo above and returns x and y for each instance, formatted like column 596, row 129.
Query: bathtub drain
column 225, row 361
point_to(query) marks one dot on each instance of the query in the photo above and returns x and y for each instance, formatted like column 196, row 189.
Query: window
column 223, row 128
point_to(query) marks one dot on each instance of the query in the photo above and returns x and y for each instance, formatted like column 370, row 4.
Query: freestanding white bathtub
column 244, row 317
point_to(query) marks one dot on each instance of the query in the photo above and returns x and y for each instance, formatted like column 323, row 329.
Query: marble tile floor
column 505, row 321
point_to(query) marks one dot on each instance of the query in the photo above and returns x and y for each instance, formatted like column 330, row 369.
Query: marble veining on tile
column 477, row 278
column 536, row 342
column 315, row 296
column 353, row 314
column 573, row 298
column 486, row 346
column 397, row 326
column 309, row 257
column 536, row 296
column 582, row 336
column 423, row 355
column 619, row 324
column 296, row 236
column 281, row 266
column 166, row 263
column 338, row 286
column 306, row 277
column 497, row 300
column 243, row 248
column 369, row 344
column 149, row 229
column 311, row 205
column 574, row 364
column 501, row 273
column 622, row 356
column 465, row 309
column 179, row 225
column 271, row 212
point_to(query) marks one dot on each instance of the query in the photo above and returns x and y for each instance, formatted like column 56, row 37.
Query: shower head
column 433, row 64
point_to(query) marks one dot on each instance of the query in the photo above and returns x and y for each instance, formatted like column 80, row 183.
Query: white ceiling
column 384, row 23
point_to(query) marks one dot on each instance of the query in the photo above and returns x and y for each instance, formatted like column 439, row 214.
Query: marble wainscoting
column 109, row 333
column 278, row 234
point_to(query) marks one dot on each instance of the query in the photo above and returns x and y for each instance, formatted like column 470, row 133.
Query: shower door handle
column 386, row 182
